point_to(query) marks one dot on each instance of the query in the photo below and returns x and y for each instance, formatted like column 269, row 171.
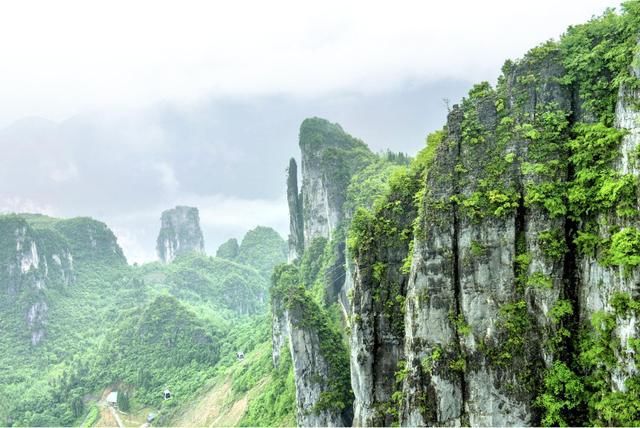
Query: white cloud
column 16, row 204
column 220, row 211
column 59, row 58
column 66, row 172
column 167, row 177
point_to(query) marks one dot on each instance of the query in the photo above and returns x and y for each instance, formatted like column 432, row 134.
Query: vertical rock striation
column 317, row 353
column 522, row 299
column 296, row 222
column 39, row 253
column 179, row 233
column 607, row 282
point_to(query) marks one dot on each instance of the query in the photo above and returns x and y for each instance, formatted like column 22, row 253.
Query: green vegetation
column 262, row 248
column 305, row 313
column 81, row 321
column 625, row 248
column 563, row 393
column 228, row 250
column 108, row 325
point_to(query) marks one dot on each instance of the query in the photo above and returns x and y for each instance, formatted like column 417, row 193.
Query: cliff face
column 29, row 270
column 39, row 253
column 305, row 311
column 329, row 158
column 495, row 281
column 179, row 233
column 317, row 352
column 379, row 244
column 296, row 221
column 608, row 287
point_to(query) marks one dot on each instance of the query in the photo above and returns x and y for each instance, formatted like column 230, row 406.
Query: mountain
column 180, row 233
column 493, row 280
column 78, row 321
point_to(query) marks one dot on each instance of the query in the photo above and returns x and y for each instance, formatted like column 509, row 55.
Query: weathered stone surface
column 296, row 320
column 296, row 222
column 311, row 371
column 465, row 263
column 600, row 283
column 179, row 233
column 432, row 394
column 34, row 260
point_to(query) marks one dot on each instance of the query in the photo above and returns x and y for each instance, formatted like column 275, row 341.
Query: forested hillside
column 492, row 279
column 80, row 321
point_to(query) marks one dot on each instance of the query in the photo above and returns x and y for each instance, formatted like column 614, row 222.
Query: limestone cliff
column 179, row 233
column 40, row 253
column 317, row 244
column 296, row 221
column 330, row 157
column 495, row 281
column 317, row 352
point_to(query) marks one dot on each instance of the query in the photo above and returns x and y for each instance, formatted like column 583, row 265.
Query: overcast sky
column 121, row 109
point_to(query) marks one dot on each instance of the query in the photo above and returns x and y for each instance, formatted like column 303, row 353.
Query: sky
column 119, row 110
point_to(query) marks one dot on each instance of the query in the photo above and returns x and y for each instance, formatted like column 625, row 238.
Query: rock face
column 296, row 222
column 32, row 262
column 318, row 363
column 38, row 253
column 602, row 283
column 329, row 158
column 525, row 260
column 377, row 300
column 480, row 275
column 496, row 282
column 179, row 233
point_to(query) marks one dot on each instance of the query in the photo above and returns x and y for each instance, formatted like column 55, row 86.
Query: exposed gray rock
column 34, row 261
column 292, row 323
column 600, row 283
column 311, row 373
column 296, row 222
column 433, row 395
column 179, row 233
column 279, row 329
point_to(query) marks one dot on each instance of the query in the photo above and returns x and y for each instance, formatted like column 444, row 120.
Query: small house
column 112, row 399
column 151, row 417
column 166, row 394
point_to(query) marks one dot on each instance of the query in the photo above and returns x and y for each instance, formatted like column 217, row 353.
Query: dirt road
column 116, row 416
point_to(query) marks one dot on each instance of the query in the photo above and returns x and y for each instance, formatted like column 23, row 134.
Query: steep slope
column 309, row 298
column 513, row 298
column 179, row 233
column 78, row 321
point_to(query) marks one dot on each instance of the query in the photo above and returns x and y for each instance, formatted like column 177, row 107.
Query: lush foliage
column 108, row 325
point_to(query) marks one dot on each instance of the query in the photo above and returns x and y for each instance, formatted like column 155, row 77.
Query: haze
column 119, row 110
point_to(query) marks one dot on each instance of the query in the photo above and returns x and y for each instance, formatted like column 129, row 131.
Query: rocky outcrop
column 377, row 302
column 497, row 284
column 33, row 260
column 319, row 359
column 480, row 276
column 525, row 262
column 601, row 283
column 279, row 329
column 296, row 222
column 329, row 157
column 179, row 233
